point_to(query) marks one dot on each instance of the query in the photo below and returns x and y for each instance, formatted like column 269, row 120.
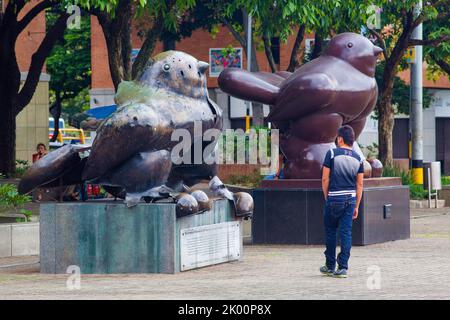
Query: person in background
column 280, row 171
column 342, row 185
column 41, row 150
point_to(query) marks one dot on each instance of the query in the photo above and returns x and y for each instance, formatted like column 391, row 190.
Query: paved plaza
column 417, row 268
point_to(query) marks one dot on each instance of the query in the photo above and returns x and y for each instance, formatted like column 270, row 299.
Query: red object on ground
column 93, row 190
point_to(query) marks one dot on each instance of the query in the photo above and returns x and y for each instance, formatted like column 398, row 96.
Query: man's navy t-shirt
column 344, row 164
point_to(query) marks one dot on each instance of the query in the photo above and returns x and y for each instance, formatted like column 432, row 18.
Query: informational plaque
column 211, row 244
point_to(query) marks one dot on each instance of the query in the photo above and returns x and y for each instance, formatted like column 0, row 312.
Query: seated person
column 41, row 150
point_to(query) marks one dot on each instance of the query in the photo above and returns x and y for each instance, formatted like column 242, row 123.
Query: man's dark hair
column 347, row 134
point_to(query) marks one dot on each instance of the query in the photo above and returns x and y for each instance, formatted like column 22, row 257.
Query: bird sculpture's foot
column 204, row 203
column 242, row 201
column 186, row 205
column 132, row 200
column 377, row 168
column 219, row 189
column 244, row 204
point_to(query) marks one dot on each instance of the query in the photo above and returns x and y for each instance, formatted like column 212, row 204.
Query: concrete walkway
column 417, row 268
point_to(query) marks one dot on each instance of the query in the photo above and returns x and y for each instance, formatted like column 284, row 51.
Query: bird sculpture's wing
column 259, row 87
column 301, row 95
column 283, row 74
column 134, row 127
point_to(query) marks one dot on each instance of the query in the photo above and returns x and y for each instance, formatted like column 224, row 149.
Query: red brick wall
column 101, row 78
column 30, row 39
column 442, row 82
column 197, row 45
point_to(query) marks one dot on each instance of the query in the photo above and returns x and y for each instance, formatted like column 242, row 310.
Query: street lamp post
column 249, row 68
column 416, row 114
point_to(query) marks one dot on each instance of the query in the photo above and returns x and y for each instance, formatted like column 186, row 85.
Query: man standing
column 342, row 185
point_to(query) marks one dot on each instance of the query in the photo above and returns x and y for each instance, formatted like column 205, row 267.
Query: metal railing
column 69, row 134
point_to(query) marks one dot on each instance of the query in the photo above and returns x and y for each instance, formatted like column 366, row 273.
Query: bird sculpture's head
column 357, row 50
column 178, row 72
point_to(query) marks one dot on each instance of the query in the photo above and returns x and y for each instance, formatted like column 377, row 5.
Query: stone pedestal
column 107, row 237
column 291, row 212
column 444, row 194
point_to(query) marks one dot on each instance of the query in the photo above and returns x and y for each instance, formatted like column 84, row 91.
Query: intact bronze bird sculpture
column 309, row 105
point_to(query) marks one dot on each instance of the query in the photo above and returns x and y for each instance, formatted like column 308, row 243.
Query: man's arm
column 325, row 181
column 359, row 191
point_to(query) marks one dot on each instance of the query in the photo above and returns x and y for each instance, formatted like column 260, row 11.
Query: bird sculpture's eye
column 166, row 67
column 349, row 44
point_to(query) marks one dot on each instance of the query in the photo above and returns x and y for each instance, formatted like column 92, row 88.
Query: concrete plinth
column 108, row 237
column 291, row 212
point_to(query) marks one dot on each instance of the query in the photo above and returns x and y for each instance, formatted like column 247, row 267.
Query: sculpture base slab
column 287, row 214
column 107, row 237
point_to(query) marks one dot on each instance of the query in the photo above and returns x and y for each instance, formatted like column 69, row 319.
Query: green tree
column 437, row 56
column 115, row 18
column 399, row 19
column 14, row 97
column 69, row 65
column 401, row 98
column 282, row 18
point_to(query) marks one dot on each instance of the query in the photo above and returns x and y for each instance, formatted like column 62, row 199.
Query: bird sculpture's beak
column 202, row 66
column 377, row 50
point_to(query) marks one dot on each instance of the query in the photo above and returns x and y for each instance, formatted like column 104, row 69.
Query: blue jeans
column 338, row 213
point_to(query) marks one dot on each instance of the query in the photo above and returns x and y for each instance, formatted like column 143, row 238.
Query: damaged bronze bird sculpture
column 131, row 154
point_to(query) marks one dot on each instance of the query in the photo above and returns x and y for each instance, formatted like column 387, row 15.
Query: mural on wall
column 221, row 58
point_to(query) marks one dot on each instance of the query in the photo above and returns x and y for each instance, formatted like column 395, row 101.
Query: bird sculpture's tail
column 61, row 167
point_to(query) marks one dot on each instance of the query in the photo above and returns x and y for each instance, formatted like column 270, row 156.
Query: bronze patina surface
column 131, row 154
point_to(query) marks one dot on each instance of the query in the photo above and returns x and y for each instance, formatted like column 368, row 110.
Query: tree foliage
column 402, row 90
column 115, row 18
column 69, row 65
column 324, row 18
column 399, row 19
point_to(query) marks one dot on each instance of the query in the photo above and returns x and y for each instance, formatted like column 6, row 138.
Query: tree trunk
column 269, row 55
column 385, row 110
column 12, row 101
column 117, row 32
column 317, row 48
column 7, row 139
column 294, row 62
column 147, row 48
column 9, row 86
column 115, row 61
column 55, row 110
column 386, row 125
